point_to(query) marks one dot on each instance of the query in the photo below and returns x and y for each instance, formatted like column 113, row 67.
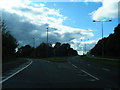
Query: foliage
column 25, row 51
column 46, row 50
column 111, row 45
column 9, row 43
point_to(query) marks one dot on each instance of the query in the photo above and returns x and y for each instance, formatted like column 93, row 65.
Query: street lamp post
column 34, row 42
column 102, row 33
column 47, row 35
column 86, row 46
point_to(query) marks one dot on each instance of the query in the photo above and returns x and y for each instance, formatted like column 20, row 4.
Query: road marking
column 105, row 69
column 90, row 74
column 91, row 80
column 15, row 73
column 74, row 66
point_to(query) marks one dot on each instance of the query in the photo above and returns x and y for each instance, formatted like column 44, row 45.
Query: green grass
column 103, row 61
column 56, row 59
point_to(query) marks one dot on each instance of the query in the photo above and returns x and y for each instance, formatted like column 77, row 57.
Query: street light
column 34, row 42
column 85, row 47
column 102, row 33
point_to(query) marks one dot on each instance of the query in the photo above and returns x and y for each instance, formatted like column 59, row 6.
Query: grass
column 56, row 59
column 9, row 64
column 113, row 63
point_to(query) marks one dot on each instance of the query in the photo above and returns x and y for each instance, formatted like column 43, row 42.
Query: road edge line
column 16, row 72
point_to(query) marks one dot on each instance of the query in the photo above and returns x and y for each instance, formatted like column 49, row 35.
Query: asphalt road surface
column 75, row 73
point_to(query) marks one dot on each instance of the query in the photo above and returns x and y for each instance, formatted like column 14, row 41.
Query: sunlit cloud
column 109, row 9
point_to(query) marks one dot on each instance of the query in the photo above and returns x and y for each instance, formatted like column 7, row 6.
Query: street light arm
column 102, row 21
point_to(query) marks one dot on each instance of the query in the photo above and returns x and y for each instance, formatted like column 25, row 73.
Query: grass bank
column 56, row 59
column 113, row 63
column 12, row 63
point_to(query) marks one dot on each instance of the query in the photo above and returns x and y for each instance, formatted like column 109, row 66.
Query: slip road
column 75, row 73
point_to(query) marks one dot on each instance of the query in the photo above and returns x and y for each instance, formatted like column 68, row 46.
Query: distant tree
column 64, row 50
column 43, row 50
column 72, row 52
column 56, row 49
column 25, row 51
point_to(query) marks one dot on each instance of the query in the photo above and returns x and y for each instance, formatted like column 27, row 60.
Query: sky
column 68, row 21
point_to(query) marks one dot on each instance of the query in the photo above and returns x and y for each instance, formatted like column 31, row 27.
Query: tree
column 43, row 50
column 111, row 45
column 56, row 49
column 9, row 43
column 64, row 50
column 25, row 51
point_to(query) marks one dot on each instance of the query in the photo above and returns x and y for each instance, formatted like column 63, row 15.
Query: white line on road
column 15, row 73
column 74, row 66
column 105, row 69
column 90, row 74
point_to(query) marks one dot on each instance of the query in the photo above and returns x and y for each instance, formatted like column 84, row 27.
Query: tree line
column 111, row 45
column 46, row 50
column 9, row 44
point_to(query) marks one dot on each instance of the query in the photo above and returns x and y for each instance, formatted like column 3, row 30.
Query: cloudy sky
column 68, row 21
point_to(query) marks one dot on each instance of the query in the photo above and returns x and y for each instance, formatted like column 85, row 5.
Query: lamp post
column 102, row 33
column 47, row 35
column 34, row 42
column 85, row 46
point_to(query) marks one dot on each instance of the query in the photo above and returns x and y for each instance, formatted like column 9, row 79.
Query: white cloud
column 92, row 0
column 42, row 5
column 109, row 9
column 79, row 45
column 29, row 21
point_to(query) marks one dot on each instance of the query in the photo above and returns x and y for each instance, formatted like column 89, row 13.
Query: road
column 75, row 73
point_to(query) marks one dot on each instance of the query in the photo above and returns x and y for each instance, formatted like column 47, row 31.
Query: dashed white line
column 15, row 73
column 90, row 75
column 74, row 66
column 105, row 69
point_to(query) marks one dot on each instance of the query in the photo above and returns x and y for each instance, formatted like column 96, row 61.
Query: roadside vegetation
column 111, row 45
column 56, row 59
column 113, row 63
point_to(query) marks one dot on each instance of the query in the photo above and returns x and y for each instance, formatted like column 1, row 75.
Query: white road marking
column 105, row 69
column 90, row 74
column 74, row 66
column 91, row 80
column 15, row 73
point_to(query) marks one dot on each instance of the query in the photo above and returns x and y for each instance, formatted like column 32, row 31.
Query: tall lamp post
column 85, row 47
column 47, row 35
column 102, row 33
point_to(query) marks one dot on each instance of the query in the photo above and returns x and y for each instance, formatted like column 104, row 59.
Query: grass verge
column 12, row 63
column 56, row 59
column 113, row 63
